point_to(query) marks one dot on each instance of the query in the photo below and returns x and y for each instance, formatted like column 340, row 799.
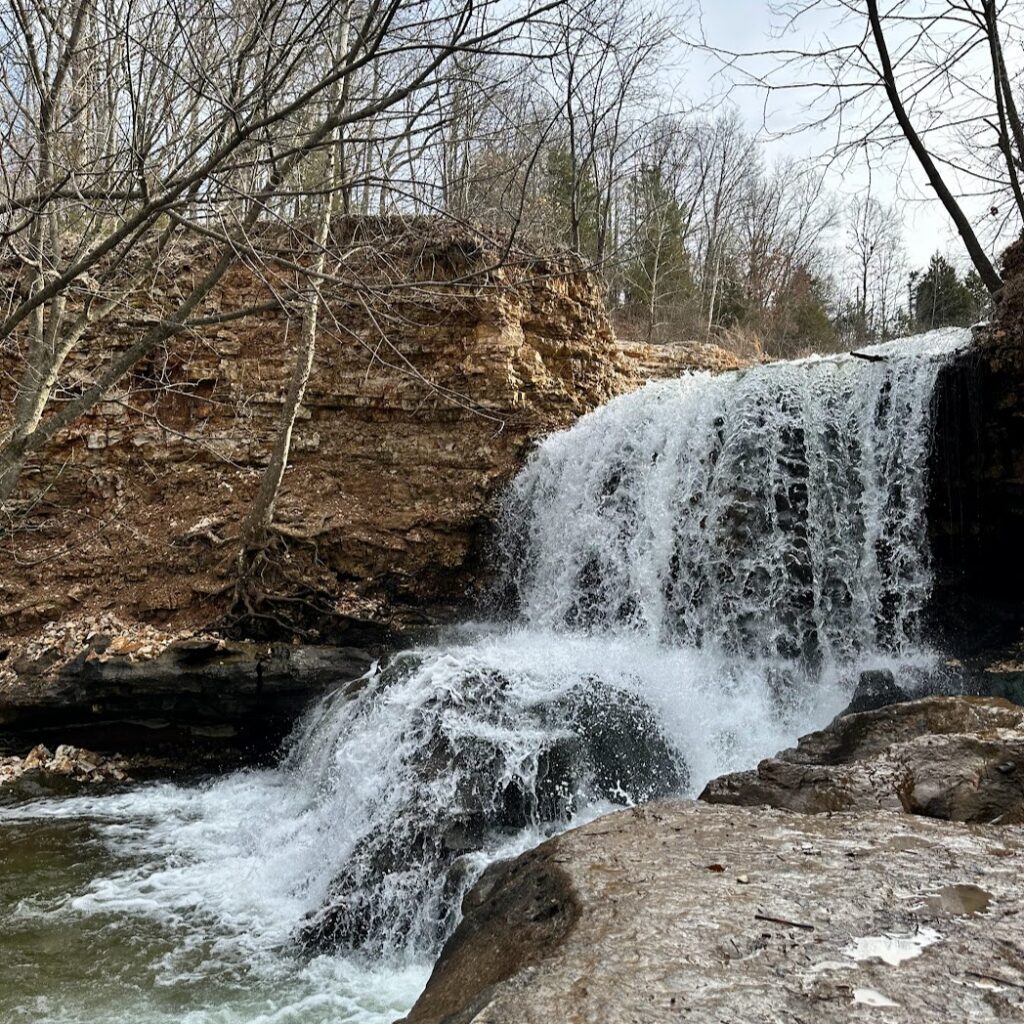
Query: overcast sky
column 748, row 26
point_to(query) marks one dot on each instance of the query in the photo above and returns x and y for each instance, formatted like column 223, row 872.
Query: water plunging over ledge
column 695, row 575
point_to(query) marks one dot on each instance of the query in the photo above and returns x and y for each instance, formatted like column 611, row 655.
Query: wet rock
column 200, row 700
column 976, row 469
column 957, row 758
column 875, row 689
column 623, row 920
column 42, row 773
column 604, row 744
column 515, row 917
column 620, row 745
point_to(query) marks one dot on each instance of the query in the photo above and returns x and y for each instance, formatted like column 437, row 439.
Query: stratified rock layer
column 956, row 758
column 691, row 912
column 199, row 701
column 436, row 367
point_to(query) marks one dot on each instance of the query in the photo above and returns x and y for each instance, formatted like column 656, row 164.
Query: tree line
column 129, row 128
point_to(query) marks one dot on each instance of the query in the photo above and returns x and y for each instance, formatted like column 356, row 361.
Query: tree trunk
column 993, row 282
column 1005, row 107
column 260, row 516
column 261, row 512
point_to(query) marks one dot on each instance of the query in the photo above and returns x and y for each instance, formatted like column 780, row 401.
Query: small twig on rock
column 782, row 920
column 995, row 978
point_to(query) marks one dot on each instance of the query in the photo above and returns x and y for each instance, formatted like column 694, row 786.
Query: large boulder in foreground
column 693, row 912
column 957, row 758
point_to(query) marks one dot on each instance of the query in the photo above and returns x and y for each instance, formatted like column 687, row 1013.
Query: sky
column 749, row 26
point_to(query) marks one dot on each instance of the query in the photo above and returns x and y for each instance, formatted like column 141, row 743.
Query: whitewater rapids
column 726, row 552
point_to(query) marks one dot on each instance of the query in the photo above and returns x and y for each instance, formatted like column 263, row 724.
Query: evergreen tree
column 802, row 316
column 561, row 176
column 942, row 299
column 980, row 296
column 658, row 280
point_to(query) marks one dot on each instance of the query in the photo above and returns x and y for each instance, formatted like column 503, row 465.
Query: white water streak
column 777, row 511
column 726, row 552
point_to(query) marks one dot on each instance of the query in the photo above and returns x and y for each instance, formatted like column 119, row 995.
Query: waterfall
column 692, row 577
column 780, row 511
column 699, row 570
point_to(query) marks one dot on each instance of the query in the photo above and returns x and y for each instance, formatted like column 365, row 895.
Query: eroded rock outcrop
column 199, row 700
column 956, row 758
column 462, row 792
column 434, row 373
column 681, row 911
column 438, row 365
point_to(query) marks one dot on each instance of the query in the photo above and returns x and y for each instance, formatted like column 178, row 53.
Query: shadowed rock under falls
column 471, row 765
column 700, row 572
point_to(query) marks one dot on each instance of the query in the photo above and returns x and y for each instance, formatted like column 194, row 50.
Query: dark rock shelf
column 203, row 701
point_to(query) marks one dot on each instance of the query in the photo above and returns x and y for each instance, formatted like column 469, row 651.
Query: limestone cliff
column 436, row 368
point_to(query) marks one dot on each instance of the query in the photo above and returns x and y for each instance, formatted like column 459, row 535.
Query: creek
column 688, row 579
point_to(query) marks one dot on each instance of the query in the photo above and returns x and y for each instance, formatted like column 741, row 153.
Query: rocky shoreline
column 40, row 769
column 747, row 909
column 170, row 701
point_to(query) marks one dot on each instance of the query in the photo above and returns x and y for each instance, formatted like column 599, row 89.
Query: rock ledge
column 956, row 758
column 683, row 911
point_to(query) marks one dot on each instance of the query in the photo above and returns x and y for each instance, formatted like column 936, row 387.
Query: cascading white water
column 709, row 560
column 776, row 512
column 699, row 572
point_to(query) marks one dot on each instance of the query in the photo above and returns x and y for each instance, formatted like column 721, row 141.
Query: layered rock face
column 436, row 368
column 438, row 364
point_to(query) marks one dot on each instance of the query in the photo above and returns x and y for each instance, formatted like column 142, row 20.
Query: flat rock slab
column 683, row 911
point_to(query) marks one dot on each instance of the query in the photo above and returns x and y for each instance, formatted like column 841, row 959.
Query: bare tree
column 726, row 155
column 887, row 73
column 198, row 121
column 926, row 76
column 602, row 75
column 258, row 520
column 875, row 245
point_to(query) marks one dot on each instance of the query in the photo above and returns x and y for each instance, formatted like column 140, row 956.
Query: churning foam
column 728, row 550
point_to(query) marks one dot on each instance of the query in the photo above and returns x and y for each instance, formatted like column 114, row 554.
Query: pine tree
column 563, row 180
column 942, row 299
column 658, row 280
